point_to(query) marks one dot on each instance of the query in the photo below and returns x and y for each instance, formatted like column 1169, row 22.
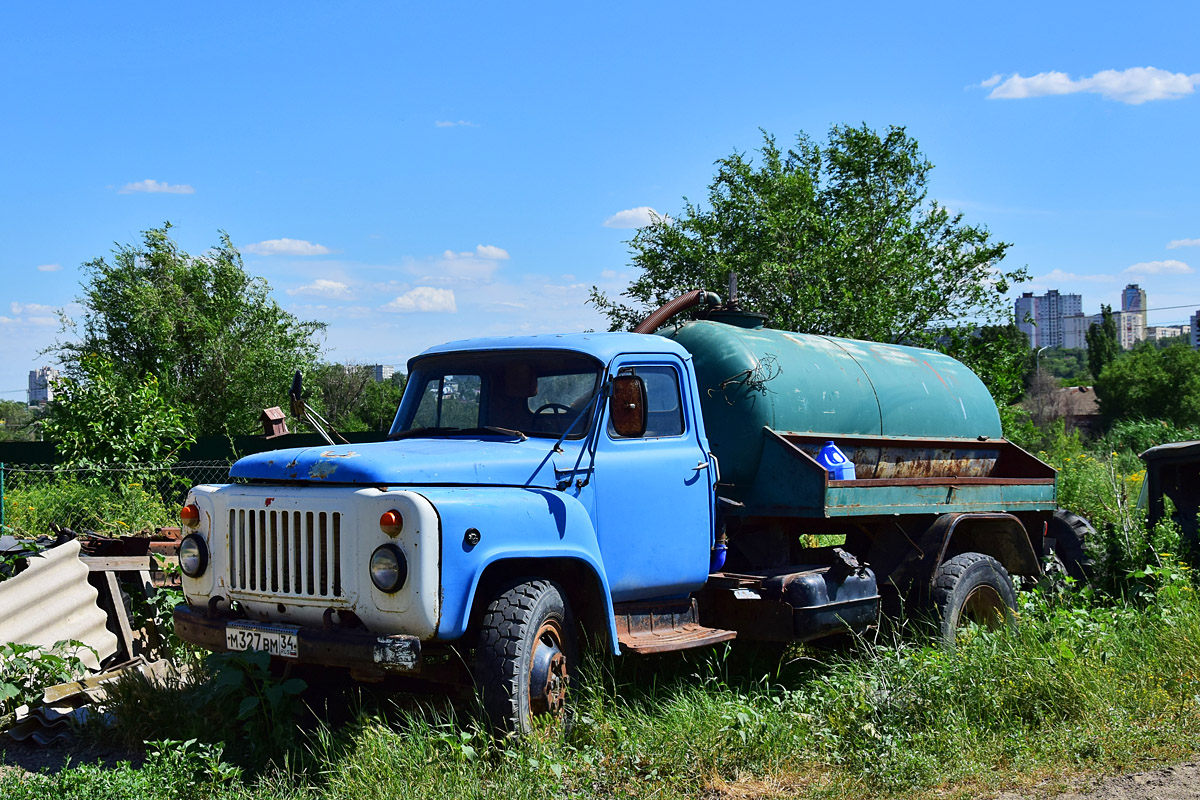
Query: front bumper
column 337, row 647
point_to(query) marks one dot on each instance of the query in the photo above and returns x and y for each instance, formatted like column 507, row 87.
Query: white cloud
column 323, row 288
column 1055, row 277
column 488, row 252
column 286, row 247
column 1171, row 245
column 156, row 187
column 423, row 298
column 462, row 123
column 30, row 314
column 1134, row 86
column 638, row 217
column 1170, row 267
column 49, row 267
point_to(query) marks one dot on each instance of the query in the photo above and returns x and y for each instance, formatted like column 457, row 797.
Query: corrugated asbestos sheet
column 51, row 601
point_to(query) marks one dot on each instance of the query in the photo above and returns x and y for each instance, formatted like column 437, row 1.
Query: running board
column 663, row 627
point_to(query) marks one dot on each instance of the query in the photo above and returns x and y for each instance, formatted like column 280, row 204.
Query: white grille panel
column 294, row 553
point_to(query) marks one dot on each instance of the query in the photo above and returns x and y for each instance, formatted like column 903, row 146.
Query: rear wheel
column 1071, row 534
column 527, row 657
column 972, row 587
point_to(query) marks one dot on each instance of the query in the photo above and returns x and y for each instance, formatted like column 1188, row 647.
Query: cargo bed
column 899, row 476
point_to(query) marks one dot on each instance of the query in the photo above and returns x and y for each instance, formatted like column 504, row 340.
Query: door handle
column 700, row 466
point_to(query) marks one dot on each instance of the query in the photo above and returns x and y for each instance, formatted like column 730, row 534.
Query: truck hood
column 440, row 461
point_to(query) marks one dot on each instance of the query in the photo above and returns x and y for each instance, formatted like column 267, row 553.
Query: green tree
column 1102, row 342
column 99, row 418
column 841, row 239
column 18, row 421
column 1152, row 383
column 220, row 348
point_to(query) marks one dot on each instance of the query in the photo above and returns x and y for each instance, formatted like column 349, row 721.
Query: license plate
column 278, row 640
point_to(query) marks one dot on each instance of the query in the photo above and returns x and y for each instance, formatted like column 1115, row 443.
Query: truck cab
column 575, row 466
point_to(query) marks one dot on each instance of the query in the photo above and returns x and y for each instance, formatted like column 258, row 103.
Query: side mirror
column 627, row 406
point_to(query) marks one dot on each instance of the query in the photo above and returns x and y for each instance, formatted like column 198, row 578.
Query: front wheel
column 526, row 657
column 972, row 587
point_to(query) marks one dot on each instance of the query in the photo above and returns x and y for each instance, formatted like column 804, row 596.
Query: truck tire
column 1071, row 533
column 526, row 657
column 972, row 587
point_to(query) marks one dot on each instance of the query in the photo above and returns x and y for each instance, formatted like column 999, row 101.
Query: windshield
column 536, row 393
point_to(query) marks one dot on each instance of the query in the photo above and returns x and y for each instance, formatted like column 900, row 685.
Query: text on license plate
column 278, row 640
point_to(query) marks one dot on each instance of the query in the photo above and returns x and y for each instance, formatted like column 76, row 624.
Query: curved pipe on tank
column 682, row 303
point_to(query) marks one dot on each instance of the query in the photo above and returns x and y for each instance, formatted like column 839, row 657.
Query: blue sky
column 415, row 173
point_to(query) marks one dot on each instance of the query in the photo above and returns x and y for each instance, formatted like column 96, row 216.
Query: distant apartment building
column 1195, row 332
column 1074, row 330
column 1041, row 317
column 1131, row 326
column 382, row 372
column 41, row 389
column 1156, row 333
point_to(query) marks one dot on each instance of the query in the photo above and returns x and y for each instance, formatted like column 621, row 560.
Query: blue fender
column 512, row 523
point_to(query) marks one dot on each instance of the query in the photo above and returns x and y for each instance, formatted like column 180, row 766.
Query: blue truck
column 641, row 492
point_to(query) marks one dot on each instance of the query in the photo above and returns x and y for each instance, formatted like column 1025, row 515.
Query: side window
column 664, row 408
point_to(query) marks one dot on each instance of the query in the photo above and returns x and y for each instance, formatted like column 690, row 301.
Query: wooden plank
column 120, row 563
column 126, row 630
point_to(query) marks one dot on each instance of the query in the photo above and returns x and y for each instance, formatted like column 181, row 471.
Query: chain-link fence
column 110, row 499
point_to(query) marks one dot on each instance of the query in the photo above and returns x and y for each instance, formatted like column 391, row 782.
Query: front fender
column 512, row 522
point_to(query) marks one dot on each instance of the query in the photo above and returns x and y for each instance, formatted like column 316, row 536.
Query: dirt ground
column 1181, row 782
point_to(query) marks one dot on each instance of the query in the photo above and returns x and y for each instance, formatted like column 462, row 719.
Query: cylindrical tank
column 751, row 378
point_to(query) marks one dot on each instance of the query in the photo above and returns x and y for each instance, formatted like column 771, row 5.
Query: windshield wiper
column 501, row 431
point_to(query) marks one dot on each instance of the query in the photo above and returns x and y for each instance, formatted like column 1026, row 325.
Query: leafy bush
column 26, row 669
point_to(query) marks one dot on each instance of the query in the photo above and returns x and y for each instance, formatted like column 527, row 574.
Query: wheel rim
column 548, row 671
column 983, row 606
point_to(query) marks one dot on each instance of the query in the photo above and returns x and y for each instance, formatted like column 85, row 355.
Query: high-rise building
column 1047, row 312
column 41, row 388
column 1131, row 327
column 1195, row 332
column 382, row 372
column 1026, row 314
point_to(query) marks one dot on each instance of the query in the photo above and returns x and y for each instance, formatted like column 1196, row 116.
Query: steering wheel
column 557, row 409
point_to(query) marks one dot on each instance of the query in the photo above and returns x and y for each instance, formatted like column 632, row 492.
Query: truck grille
column 286, row 552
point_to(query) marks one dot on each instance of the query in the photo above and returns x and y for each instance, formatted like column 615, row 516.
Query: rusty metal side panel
column 52, row 601
column 849, row 499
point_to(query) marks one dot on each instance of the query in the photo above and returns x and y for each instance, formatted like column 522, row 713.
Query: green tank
column 897, row 412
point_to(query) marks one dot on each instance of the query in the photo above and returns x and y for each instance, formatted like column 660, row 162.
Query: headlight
column 193, row 556
column 389, row 568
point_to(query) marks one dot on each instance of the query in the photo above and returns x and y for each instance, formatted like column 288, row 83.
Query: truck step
column 661, row 628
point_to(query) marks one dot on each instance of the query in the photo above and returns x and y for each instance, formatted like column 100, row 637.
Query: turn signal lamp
column 189, row 515
column 391, row 523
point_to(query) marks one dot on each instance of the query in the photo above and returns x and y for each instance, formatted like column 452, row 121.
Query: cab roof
column 602, row 346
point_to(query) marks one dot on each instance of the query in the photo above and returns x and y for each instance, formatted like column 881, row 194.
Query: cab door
column 654, row 492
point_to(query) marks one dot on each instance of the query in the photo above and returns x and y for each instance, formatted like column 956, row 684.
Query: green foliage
column 118, row 507
column 101, row 417
column 220, row 347
column 18, row 421
column 1103, row 346
column 1069, row 366
column 1154, row 384
column 174, row 770
column 242, row 688
column 26, row 669
column 840, row 239
column 352, row 400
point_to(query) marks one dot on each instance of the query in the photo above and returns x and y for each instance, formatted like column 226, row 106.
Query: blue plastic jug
column 834, row 460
